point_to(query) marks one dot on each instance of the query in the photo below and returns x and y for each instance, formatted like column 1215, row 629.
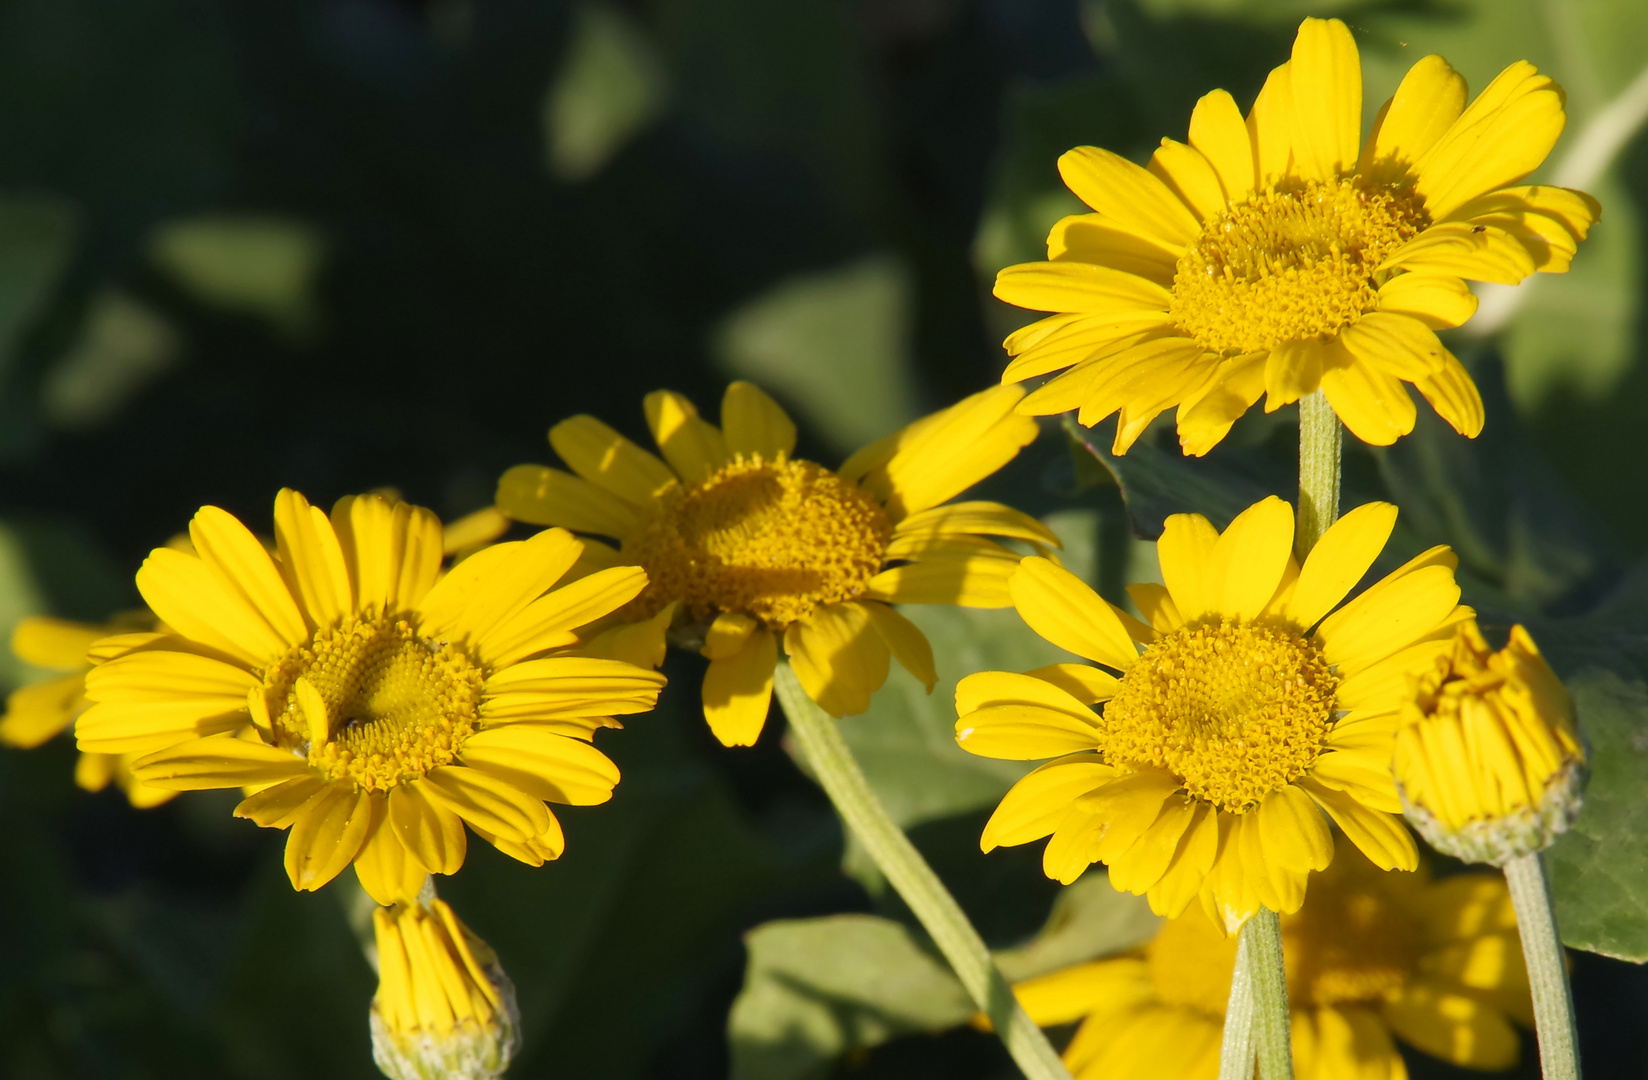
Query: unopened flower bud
column 444, row 1010
column 1488, row 762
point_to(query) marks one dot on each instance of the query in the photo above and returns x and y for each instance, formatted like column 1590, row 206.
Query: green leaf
column 1500, row 504
column 1089, row 919
column 1599, row 868
column 610, row 87
column 817, row 988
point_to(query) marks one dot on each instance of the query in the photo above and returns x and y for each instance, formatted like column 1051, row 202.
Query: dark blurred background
column 337, row 245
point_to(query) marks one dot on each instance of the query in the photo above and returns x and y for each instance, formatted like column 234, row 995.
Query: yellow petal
column 754, row 423
column 1339, row 560
column 1190, row 176
column 906, row 642
column 431, row 834
column 1155, row 603
column 1270, row 127
column 549, row 621
column 1395, row 344
column 540, row 495
column 230, row 549
column 738, row 690
column 1088, row 685
column 475, row 530
column 217, row 762
column 1183, row 878
column 1327, row 99
column 1033, row 807
column 603, row 457
column 1294, row 831
column 1375, row 406
column 1141, row 866
column 838, row 657
column 562, row 686
column 1024, row 733
column 1093, row 238
column 311, row 559
column 1185, row 552
column 1069, row 286
column 1205, row 418
column 194, row 600
column 327, row 836
column 964, row 571
column 1249, row 558
column 1131, row 804
column 1380, row 836
column 1293, row 369
column 1427, row 102
column 54, row 643
column 36, row 712
column 977, row 518
column 694, row 449
column 1391, row 615
column 1068, row 995
column 1464, row 249
column 1128, row 195
column 1217, row 130
column 492, row 803
column 493, row 586
column 1092, row 337
column 1503, row 136
column 1454, row 396
column 92, row 772
column 948, row 452
column 1548, row 221
column 1453, row 1026
column 1365, row 776
column 642, row 644
column 386, row 871
column 1440, row 301
column 727, row 635
column 1063, row 609
column 984, row 689
column 547, row 766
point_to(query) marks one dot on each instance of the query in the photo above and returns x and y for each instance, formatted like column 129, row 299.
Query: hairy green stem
column 1262, row 935
column 1319, row 447
column 1547, row 975
column 838, row 773
column 1236, row 1051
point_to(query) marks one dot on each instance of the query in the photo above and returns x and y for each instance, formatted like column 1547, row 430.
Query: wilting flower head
column 1263, row 704
column 1369, row 956
column 745, row 546
column 444, row 1009
column 40, row 710
column 1488, row 762
column 1268, row 256
column 366, row 702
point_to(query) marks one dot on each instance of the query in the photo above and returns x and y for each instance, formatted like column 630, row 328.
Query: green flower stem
column 838, row 773
column 1262, row 935
column 1547, row 975
column 1236, row 1051
column 1319, row 445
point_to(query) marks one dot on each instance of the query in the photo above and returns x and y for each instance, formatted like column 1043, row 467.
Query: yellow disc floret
column 771, row 539
column 1235, row 709
column 396, row 705
column 1292, row 263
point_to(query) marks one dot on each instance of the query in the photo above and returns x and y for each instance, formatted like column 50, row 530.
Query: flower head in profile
column 39, row 711
column 1488, row 762
column 1369, row 956
column 444, row 1009
column 747, row 547
column 1267, row 256
column 1262, row 705
column 366, row 702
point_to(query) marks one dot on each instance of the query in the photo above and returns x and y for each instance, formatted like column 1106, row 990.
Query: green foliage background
column 342, row 244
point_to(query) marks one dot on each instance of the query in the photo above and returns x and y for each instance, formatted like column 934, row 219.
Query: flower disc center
column 397, row 705
column 771, row 539
column 1235, row 709
column 1289, row 264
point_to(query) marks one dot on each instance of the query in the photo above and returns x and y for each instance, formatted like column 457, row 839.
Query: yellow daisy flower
column 745, row 546
column 1488, row 762
column 367, row 703
column 1267, row 256
column 444, row 1007
column 1260, row 708
column 41, row 710
column 1370, row 956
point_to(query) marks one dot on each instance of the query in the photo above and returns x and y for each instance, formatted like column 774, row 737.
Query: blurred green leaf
column 1500, row 504
column 1599, row 868
column 261, row 266
column 836, row 343
column 817, row 988
column 123, row 344
column 1089, row 919
column 610, row 86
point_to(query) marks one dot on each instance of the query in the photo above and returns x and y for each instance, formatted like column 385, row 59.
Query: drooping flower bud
column 444, row 1010
column 1488, row 762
